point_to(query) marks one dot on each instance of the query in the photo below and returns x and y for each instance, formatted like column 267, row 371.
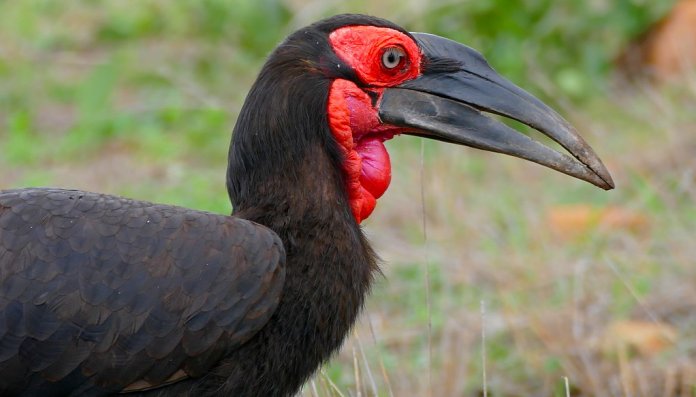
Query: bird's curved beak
column 446, row 101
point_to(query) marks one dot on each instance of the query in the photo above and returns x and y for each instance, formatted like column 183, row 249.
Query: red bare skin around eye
column 361, row 47
column 353, row 119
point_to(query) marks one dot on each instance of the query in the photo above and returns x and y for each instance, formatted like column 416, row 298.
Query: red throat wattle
column 352, row 116
column 360, row 135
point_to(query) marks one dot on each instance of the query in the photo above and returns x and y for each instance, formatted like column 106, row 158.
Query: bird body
column 102, row 295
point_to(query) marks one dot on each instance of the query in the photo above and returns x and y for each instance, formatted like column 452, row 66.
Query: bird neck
column 296, row 187
column 329, row 270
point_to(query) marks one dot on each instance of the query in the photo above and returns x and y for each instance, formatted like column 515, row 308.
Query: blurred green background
column 138, row 98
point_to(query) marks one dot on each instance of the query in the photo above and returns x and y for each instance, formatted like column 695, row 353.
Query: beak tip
column 605, row 180
column 609, row 186
column 585, row 155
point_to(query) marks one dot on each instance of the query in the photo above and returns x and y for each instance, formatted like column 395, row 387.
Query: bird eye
column 392, row 57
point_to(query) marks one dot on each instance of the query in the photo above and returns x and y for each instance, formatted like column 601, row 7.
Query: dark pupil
column 391, row 58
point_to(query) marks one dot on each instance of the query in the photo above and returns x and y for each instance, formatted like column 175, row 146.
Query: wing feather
column 99, row 292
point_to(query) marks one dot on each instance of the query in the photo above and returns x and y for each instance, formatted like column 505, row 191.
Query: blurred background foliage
column 138, row 98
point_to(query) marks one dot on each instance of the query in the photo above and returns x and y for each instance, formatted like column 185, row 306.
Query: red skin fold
column 349, row 106
column 353, row 119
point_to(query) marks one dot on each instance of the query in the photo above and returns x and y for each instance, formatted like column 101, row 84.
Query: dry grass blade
column 356, row 372
column 385, row 375
column 315, row 392
column 483, row 348
column 653, row 317
column 335, row 390
column 366, row 364
column 427, row 270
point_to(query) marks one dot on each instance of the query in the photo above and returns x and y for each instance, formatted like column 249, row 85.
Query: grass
column 139, row 101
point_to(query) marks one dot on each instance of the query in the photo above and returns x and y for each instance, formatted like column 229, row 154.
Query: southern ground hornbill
column 102, row 295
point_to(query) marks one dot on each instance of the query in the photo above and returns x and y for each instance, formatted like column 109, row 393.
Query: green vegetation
column 139, row 98
column 573, row 42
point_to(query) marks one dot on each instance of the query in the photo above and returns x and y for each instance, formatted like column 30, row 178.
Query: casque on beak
column 445, row 103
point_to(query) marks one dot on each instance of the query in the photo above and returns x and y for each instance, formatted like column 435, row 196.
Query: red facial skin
column 353, row 119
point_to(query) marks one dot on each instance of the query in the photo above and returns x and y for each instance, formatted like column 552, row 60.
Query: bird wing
column 98, row 291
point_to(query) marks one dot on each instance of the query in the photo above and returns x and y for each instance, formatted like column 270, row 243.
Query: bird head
column 369, row 80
